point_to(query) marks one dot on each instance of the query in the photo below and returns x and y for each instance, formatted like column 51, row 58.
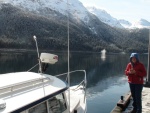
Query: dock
column 121, row 105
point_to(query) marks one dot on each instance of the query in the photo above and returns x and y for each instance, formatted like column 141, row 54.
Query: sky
column 130, row 10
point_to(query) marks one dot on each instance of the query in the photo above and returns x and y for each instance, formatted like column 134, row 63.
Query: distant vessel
column 103, row 54
column 123, row 52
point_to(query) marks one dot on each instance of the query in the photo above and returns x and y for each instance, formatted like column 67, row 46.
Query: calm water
column 105, row 76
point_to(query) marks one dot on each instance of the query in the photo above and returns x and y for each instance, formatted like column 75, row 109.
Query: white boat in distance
column 30, row 92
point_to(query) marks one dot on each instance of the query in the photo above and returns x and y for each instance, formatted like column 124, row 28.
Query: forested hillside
column 18, row 26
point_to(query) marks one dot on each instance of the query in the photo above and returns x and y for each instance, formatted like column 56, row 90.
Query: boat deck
column 23, row 88
column 145, row 103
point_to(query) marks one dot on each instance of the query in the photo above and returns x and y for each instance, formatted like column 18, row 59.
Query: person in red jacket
column 135, row 71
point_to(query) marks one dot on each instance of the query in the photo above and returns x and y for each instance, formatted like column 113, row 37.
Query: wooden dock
column 128, row 108
column 122, row 104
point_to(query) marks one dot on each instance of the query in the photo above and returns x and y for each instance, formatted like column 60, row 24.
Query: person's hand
column 132, row 71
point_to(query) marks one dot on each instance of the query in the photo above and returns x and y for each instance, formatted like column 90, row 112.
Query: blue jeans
column 136, row 91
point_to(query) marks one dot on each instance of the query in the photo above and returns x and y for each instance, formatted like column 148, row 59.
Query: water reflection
column 104, row 77
column 97, row 69
column 11, row 62
column 110, row 71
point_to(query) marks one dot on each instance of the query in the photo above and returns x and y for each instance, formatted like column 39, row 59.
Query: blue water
column 104, row 101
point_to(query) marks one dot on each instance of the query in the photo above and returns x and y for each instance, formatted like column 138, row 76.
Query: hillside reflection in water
column 106, row 81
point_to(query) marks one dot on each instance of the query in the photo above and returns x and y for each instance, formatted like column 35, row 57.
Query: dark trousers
column 136, row 91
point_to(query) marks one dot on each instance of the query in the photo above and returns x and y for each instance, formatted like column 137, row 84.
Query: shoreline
column 5, row 50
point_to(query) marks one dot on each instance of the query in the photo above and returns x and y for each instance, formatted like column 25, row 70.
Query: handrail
column 79, row 84
column 69, row 72
column 83, row 81
column 25, row 82
column 33, row 67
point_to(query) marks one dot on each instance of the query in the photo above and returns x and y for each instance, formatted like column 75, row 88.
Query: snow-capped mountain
column 74, row 7
column 76, row 10
column 108, row 19
column 125, row 23
column 105, row 17
column 142, row 23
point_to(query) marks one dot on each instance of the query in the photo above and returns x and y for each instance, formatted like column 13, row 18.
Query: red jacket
column 140, row 73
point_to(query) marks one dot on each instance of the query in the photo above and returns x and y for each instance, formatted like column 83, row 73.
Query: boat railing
column 33, row 67
column 82, row 83
column 25, row 84
column 74, row 72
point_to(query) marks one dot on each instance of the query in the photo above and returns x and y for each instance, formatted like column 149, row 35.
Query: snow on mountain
column 75, row 7
column 125, row 23
column 108, row 19
column 105, row 17
column 142, row 23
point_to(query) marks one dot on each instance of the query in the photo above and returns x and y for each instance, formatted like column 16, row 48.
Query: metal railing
column 24, row 84
column 83, row 82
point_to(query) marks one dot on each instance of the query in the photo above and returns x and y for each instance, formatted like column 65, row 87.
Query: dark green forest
column 18, row 26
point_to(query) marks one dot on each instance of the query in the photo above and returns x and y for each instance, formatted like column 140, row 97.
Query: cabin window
column 41, row 108
column 57, row 104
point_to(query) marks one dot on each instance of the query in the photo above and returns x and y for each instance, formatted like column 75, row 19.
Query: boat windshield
column 56, row 104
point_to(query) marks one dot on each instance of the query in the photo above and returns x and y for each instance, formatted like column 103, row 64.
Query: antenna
column 68, row 75
column 40, row 69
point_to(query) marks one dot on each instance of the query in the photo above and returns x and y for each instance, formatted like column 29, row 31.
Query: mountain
column 125, row 23
column 142, row 23
column 45, row 7
column 48, row 20
column 108, row 19
column 105, row 17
